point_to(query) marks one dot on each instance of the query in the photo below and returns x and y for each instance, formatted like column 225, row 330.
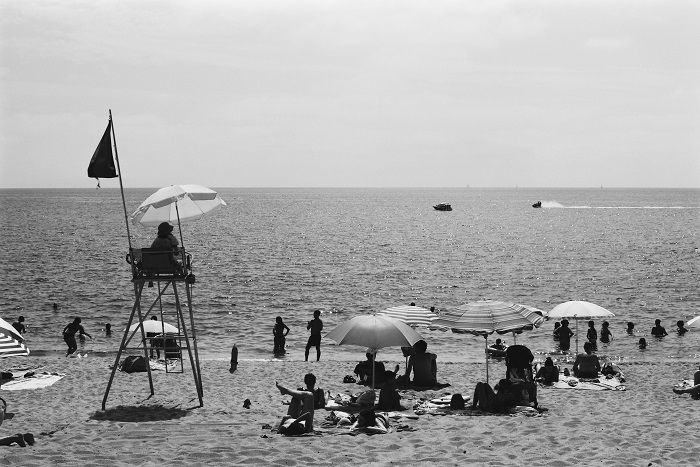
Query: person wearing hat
column 165, row 239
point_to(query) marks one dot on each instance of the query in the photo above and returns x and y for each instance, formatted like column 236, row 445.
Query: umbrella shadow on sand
column 138, row 413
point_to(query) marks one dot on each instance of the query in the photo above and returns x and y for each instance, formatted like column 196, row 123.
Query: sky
column 356, row 93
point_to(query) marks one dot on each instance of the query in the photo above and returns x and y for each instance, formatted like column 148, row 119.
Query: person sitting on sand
column 694, row 390
column 371, row 422
column 389, row 398
column 658, row 330
column 681, row 327
column 642, row 343
column 548, row 374
column 508, row 395
column 364, row 369
column 300, row 416
column 69, row 335
column 423, row 364
column 165, row 239
column 605, row 333
column 279, row 331
column 587, row 364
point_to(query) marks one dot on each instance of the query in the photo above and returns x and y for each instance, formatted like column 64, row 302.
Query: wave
column 557, row 205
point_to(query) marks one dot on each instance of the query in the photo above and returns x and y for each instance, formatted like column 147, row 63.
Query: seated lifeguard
column 165, row 239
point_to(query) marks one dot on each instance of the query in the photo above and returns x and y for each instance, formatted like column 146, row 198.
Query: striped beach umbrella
column 485, row 317
column 11, row 342
column 410, row 314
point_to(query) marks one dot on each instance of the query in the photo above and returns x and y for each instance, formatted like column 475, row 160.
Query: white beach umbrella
column 578, row 309
column 11, row 341
column 177, row 204
column 155, row 326
column 695, row 322
column 374, row 332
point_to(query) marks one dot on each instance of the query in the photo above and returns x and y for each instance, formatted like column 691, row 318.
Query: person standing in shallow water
column 279, row 331
column 605, row 333
column 565, row 334
column 315, row 326
column 658, row 330
column 592, row 335
column 69, row 335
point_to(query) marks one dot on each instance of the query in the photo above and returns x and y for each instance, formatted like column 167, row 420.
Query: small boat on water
column 537, row 204
column 443, row 207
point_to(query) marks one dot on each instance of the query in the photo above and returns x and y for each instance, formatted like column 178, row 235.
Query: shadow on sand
column 135, row 413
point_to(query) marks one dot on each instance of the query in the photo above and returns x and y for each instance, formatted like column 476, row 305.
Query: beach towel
column 597, row 384
column 409, row 385
column 36, row 381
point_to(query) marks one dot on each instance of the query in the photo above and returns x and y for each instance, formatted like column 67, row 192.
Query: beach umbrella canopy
column 155, row 326
column 177, row 204
column 374, row 332
column 410, row 314
column 695, row 322
column 11, row 341
column 578, row 309
column 485, row 317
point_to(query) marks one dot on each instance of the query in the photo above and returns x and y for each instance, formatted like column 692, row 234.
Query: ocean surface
column 286, row 252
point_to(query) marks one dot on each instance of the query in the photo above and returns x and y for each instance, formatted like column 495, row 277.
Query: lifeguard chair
column 158, row 277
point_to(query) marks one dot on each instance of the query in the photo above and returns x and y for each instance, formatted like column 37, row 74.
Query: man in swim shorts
column 69, row 335
column 315, row 325
column 300, row 416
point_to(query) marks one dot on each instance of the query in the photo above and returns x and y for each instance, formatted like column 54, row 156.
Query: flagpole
column 121, row 186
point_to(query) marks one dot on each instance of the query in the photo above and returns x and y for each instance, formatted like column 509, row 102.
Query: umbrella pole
column 179, row 226
column 515, row 340
column 576, row 334
column 486, row 352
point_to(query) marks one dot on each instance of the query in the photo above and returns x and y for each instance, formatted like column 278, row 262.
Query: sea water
column 287, row 252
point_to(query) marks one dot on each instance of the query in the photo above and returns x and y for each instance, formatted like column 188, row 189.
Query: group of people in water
column 563, row 333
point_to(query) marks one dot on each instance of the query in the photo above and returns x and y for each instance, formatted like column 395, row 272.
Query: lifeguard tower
column 159, row 278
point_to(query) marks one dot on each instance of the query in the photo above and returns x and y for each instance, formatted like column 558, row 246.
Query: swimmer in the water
column 681, row 328
column 642, row 343
column 630, row 327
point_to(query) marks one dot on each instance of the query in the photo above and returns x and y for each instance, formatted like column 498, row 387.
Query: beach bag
column 134, row 364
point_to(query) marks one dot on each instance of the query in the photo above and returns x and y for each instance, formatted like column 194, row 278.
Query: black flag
column 102, row 162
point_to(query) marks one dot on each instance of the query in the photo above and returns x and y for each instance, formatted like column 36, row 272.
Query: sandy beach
column 645, row 425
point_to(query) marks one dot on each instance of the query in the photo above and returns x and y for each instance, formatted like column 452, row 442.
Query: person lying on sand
column 19, row 439
column 371, row 422
column 508, row 395
column 694, row 390
column 586, row 365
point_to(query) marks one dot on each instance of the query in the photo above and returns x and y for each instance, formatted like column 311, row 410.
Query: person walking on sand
column 69, row 335
column 315, row 326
